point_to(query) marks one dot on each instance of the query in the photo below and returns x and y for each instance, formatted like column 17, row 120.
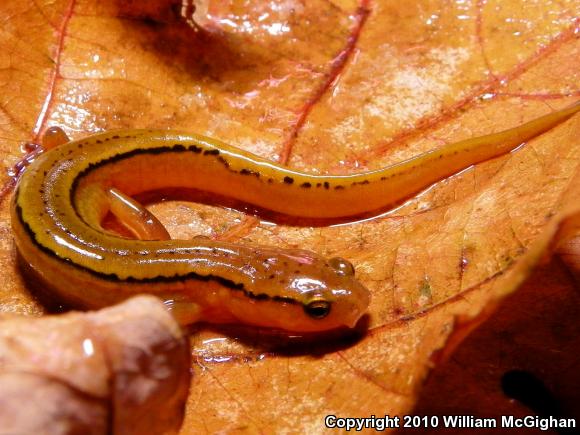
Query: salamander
column 64, row 195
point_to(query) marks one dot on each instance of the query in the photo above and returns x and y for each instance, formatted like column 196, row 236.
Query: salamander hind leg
column 53, row 137
column 135, row 217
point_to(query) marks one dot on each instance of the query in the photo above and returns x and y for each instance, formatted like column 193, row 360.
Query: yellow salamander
column 64, row 195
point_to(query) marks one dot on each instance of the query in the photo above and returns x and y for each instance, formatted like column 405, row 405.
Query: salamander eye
column 341, row 266
column 317, row 309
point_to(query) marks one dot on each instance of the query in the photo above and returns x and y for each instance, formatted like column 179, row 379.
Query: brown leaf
column 327, row 87
column 530, row 337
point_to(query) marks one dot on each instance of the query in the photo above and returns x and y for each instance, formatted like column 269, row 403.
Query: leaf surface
column 327, row 87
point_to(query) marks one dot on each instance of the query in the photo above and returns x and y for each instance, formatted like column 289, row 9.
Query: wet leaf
column 327, row 87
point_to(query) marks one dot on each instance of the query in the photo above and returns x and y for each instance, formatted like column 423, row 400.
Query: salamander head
column 299, row 291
